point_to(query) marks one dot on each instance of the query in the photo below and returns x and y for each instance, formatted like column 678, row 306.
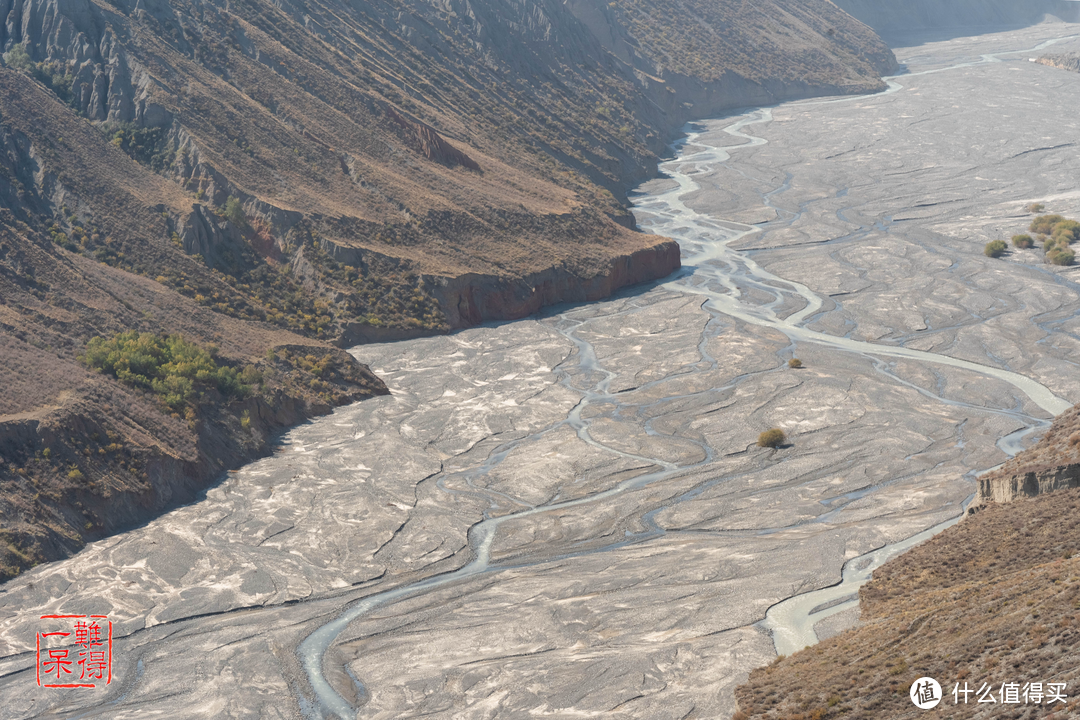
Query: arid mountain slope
column 453, row 139
column 266, row 178
column 992, row 601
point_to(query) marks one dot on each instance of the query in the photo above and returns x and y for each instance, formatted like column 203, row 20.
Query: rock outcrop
column 1063, row 61
column 1051, row 464
column 472, row 299
column 1007, row 488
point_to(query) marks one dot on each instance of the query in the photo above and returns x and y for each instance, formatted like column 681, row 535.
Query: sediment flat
column 600, row 459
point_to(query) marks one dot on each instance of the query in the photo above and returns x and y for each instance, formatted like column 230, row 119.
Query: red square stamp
column 75, row 652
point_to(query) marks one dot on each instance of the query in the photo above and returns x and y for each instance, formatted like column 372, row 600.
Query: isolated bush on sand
column 995, row 248
column 771, row 438
column 794, row 363
column 1023, row 241
column 1035, row 208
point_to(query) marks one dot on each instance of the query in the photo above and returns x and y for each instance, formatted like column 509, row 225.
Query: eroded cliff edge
column 1051, row 464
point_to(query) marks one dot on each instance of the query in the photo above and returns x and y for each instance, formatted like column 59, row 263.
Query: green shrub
column 995, row 248
column 245, row 420
column 1061, row 256
column 1067, row 229
column 1023, row 241
column 234, row 211
column 17, row 57
column 147, row 146
column 74, row 474
column 794, row 363
column 1044, row 224
column 771, row 438
column 54, row 76
column 171, row 367
column 251, row 375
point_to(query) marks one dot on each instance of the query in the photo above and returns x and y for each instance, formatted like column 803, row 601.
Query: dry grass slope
column 992, row 600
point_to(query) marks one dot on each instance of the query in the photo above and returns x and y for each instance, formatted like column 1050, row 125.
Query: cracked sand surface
column 644, row 602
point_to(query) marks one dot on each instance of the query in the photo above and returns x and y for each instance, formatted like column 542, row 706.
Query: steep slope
column 445, row 140
column 1051, row 464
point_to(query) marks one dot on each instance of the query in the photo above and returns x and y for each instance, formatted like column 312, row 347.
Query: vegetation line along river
column 720, row 274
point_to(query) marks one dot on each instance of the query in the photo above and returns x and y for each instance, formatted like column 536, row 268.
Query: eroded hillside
column 270, row 179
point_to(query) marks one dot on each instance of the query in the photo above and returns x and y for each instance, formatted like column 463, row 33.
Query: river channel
column 569, row 514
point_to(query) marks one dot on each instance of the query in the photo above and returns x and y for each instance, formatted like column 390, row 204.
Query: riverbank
column 638, row 534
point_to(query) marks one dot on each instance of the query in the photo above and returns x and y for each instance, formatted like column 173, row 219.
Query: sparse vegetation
column 1061, row 256
column 995, row 248
column 794, row 363
column 234, row 212
column 772, row 438
column 1055, row 232
column 1044, row 224
column 991, row 600
column 52, row 75
column 1035, row 208
column 174, row 369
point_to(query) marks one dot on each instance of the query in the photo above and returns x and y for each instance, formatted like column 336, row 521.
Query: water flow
column 719, row 274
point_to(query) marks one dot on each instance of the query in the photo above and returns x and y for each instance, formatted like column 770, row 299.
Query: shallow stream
column 731, row 284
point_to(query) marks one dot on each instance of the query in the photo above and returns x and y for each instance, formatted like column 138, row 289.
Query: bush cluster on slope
column 171, row 367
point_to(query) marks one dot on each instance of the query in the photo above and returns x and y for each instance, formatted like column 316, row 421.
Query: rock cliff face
column 1062, row 61
column 1007, row 488
column 1051, row 464
column 472, row 299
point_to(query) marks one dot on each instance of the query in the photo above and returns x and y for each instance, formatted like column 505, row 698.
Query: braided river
column 569, row 515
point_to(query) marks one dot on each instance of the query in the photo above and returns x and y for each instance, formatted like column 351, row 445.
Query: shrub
column 17, row 57
column 245, row 420
column 995, row 248
column 234, row 211
column 74, row 474
column 171, row 367
column 1044, row 224
column 771, row 438
column 1035, row 208
column 1023, row 241
column 251, row 375
column 794, row 363
column 147, row 146
column 1068, row 229
column 1061, row 256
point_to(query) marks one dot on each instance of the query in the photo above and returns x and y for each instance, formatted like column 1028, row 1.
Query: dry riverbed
column 569, row 515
